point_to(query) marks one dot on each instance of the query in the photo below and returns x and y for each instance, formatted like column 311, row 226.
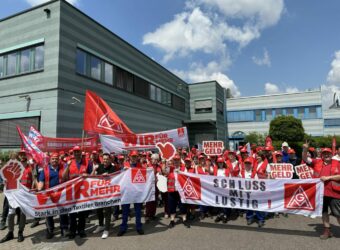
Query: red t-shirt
column 328, row 190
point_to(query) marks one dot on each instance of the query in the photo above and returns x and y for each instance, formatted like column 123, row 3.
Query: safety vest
column 138, row 165
column 317, row 167
column 201, row 170
column 226, row 171
column 47, row 175
column 243, row 172
column 190, row 170
column 74, row 172
column 261, row 172
column 27, row 177
column 171, row 180
column 235, row 171
column 335, row 171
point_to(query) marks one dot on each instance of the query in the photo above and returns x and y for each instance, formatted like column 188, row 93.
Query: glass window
column 81, row 62
column 141, row 87
column 178, row 103
column 159, row 95
column 39, row 57
column 284, row 111
column 269, row 114
column 263, row 115
column 108, row 78
column 241, row 116
column 120, row 78
column 11, row 64
column 129, row 81
column 301, row 112
column 278, row 112
column 318, row 112
column 290, row 111
column 219, row 107
column 2, row 66
column 295, row 111
column 306, row 115
column 95, row 67
column 153, row 92
column 332, row 122
column 203, row 106
column 258, row 115
column 273, row 113
column 312, row 112
column 25, row 60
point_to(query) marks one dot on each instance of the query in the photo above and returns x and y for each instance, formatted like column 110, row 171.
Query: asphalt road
column 294, row 232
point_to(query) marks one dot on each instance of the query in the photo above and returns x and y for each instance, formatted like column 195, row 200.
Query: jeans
column 259, row 215
column 125, row 215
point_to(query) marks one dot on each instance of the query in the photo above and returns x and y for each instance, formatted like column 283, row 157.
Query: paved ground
column 294, row 232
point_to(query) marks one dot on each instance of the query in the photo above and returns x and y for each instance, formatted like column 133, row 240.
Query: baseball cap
column 324, row 150
column 76, row 148
column 291, row 151
column 134, row 153
column 249, row 160
column 177, row 157
column 220, row 159
column 285, row 144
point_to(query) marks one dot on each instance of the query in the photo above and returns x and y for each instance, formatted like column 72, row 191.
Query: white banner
column 288, row 196
column 178, row 137
column 133, row 185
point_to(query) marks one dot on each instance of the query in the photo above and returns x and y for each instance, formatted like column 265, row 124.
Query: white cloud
column 271, row 88
column 265, row 60
column 334, row 74
column 205, row 26
column 37, row 2
column 210, row 72
column 292, row 89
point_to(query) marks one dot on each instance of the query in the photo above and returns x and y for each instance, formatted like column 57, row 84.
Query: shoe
column 140, row 231
column 21, row 237
column 49, row 235
column 260, row 224
column 82, row 234
column 9, row 236
column 249, row 222
column 71, row 236
column 99, row 229
column 285, row 215
column 218, row 219
column 2, row 225
column 186, row 223
column 225, row 219
column 326, row 234
column 105, row 234
column 121, row 233
column 202, row 216
column 35, row 223
column 172, row 224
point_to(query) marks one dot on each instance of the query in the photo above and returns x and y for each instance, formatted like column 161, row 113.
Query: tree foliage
column 255, row 137
column 286, row 128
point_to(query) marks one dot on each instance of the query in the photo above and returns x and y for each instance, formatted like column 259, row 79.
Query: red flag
column 269, row 142
column 100, row 118
column 32, row 149
column 334, row 145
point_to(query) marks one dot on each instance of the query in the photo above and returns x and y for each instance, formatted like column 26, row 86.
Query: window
column 332, row 123
column 203, row 106
column 301, row 113
column 2, row 68
column 219, row 107
column 263, row 115
column 25, row 60
column 141, row 87
column 178, row 103
column 39, row 57
column 306, row 114
column 166, row 98
column 290, row 111
column 95, row 68
column 108, row 77
column 241, row 116
column 11, row 64
column 153, row 92
column 273, row 113
column 159, row 95
column 295, row 112
column 312, row 112
column 81, row 62
column 269, row 114
column 318, row 112
column 258, row 115
column 284, row 111
column 278, row 112
column 124, row 80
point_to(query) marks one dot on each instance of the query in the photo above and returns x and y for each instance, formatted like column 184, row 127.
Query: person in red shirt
column 328, row 171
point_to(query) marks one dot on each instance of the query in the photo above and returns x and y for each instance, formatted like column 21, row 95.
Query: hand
column 11, row 174
column 305, row 146
column 167, row 150
column 84, row 174
column 325, row 178
column 105, row 173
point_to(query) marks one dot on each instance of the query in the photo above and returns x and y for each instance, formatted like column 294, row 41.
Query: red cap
column 177, row 157
column 187, row 159
column 22, row 151
column 208, row 158
column 324, row 150
column 220, row 159
column 244, row 150
column 291, row 151
column 94, row 152
column 76, row 148
column 249, row 159
column 193, row 149
column 311, row 149
column 121, row 157
column 55, row 155
column 134, row 153
column 61, row 152
column 201, row 156
column 184, row 151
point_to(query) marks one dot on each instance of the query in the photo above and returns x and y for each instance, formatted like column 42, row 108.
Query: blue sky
column 253, row 47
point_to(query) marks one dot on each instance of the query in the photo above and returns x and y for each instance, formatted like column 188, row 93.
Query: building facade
column 52, row 53
column 253, row 114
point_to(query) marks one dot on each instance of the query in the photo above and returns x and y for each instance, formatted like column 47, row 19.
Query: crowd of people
column 243, row 163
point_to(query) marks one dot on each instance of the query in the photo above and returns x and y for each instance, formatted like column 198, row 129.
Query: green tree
column 255, row 137
column 286, row 128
